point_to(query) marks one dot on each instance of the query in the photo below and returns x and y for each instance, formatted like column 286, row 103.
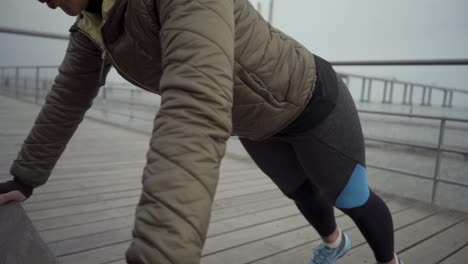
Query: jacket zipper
column 101, row 72
column 103, row 62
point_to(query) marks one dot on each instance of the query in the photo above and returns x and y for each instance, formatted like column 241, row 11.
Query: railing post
column 438, row 159
column 363, row 89
column 369, row 91
column 104, row 93
column 444, row 102
column 451, row 99
column 423, row 100
column 410, row 101
column 429, row 97
column 384, row 97
column 25, row 86
column 392, row 84
column 36, row 95
column 405, row 91
column 270, row 16
column 3, row 77
column 45, row 86
column 132, row 102
column 16, row 81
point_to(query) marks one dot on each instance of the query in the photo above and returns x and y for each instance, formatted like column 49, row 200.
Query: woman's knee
column 356, row 192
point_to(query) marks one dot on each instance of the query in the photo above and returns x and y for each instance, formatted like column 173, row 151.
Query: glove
column 14, row 191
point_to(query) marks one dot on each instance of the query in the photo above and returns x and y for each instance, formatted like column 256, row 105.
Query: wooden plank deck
column 85, row 212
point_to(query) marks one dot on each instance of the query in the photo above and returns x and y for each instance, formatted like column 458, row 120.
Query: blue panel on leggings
column 356, row 191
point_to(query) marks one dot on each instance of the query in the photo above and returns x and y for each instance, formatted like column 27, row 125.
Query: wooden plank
column 88, row 255
column 90, row 242
column 303, row 252
column 240, row 204
column 122, row 261
column 85, row 218
column 82, row 186
column 92, row 236
column 71, row 172
column 256, row 232
column 248, row 208
column 87, row 229
column 406, row 237
column 101, row 205
column 79, row 209
column 438, row 247
column 55, row 204
column 460, row 256
column 247, row 190
column 76, row 194
column 255, row 247
column 130, row 189
column 98, row 255
column 19, row 241
column 247, row 220
column 130, row 177
column 80, row 231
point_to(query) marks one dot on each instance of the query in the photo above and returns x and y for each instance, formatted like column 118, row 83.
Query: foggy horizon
column 335, row 30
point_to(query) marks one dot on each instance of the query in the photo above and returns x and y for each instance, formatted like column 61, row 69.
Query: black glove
column 15, row 184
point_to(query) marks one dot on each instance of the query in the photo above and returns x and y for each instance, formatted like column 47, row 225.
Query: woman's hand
column 14, row 191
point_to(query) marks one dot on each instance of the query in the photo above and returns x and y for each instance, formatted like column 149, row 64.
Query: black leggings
column 322, row 166
column 373, row 219
column 283, row 166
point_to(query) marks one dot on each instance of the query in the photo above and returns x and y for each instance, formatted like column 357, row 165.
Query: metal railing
column 439, row 148
column 410, row 93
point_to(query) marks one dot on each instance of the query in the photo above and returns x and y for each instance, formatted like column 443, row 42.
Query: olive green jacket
column 220, row 69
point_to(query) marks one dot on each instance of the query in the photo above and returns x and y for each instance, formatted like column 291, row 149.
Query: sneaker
column 327, row 255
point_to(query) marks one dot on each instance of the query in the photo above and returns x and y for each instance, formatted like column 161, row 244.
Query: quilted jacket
column 220, row 69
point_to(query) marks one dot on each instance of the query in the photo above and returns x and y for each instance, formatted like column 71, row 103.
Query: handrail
column 415, row 62
column 429, row 62
column 415, row 116
column 33, row 33
column 396, row 81
column 29, row 67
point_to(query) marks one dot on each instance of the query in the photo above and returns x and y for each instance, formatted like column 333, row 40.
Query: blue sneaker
column 327, row 255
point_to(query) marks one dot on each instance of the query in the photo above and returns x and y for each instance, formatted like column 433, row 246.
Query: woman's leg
column 374, row 220
column 279, row 162
column 317, row 210
column 333, row 156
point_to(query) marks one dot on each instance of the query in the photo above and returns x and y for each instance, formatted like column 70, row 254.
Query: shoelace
column 321, row 254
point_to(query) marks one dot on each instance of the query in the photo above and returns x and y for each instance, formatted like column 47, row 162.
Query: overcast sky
column 333, row 29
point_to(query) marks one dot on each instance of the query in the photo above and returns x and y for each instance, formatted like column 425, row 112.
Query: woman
column 220, row 69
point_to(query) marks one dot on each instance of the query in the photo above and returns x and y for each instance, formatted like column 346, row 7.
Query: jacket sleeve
column 70, row 97
column 190, row 131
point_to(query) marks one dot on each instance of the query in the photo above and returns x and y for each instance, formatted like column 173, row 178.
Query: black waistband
column 323, row 99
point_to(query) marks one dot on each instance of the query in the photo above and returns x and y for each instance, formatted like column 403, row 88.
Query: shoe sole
column 346, row 248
